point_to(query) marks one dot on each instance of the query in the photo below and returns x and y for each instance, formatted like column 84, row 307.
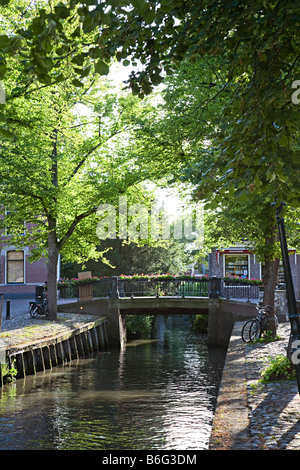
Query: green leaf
column 76, row 33
column 101, row 67
column 5, row 133
column 43, row 78
column 77, row 83
column 139, row 4
column 282, row 139
column 61, row 11
column 4, row 41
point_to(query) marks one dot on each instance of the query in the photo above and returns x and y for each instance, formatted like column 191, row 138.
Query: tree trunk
column 269, row 282
column 52, row 240
column 53, row 253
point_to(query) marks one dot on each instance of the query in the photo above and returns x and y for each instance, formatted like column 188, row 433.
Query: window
column 236, row 265
column 15, row 267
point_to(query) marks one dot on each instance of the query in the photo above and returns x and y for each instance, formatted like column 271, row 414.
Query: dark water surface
column 153, row 395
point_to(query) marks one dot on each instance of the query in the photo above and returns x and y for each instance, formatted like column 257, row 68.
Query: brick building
column 19, row 277
column 241, row 261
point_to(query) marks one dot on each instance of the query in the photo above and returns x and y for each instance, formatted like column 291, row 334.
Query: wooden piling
column 43, row 355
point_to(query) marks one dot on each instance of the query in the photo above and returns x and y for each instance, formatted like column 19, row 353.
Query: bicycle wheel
column 246, row 331
column 34, row 311
column 255, row 330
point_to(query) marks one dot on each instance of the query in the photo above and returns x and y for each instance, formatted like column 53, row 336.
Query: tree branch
column 83, row 160
column 74, row 224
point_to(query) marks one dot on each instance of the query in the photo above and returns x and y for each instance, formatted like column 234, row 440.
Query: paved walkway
column 20, row 307
column 249, row 415
column 22, row 328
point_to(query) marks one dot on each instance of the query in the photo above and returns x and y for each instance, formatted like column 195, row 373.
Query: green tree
column 179, row 135
column 258, row 139
column 59, row 167
column 255, row 142
column 132, row 258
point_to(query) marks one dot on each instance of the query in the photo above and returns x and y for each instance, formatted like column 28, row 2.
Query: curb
column 230, row 430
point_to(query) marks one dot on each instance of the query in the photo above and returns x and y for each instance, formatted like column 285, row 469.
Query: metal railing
column 163, row 287
column 239, row 290
column 118, row 287
column 68, row 292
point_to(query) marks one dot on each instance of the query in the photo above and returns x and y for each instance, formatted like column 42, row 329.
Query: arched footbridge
column 114, row 298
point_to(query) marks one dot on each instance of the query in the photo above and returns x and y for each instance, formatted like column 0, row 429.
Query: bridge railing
column 118, row 287
column 163, row 287
column 98, row 288
column 67, row 292
column 239, row 290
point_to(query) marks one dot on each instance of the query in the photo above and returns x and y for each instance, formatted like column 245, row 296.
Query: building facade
column 241, row 261
column 19, row 277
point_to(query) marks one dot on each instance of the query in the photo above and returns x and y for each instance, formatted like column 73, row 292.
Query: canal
column 157, row 394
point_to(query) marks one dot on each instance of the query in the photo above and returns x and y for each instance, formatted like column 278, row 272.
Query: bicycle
column 253, row 329
column 39, row 308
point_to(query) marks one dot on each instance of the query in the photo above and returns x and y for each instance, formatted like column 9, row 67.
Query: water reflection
column 152, row 395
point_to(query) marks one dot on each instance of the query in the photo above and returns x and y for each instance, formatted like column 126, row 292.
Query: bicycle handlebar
column 263, row 308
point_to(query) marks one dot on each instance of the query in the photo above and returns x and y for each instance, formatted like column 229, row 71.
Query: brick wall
column 35, row 274
column 216, row 263
column 216, row 268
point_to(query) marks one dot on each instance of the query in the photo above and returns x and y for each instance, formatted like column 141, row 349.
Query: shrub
column 138, row 326
column 8, row 374
column 280, row 368
column 200, row 324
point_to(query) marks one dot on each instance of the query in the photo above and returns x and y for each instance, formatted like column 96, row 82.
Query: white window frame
column 24, row 267
column 237, row 254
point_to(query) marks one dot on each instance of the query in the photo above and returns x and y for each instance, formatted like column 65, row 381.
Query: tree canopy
column 258, row 42
column 237, row 132
column 183, row 135
column 60, row 165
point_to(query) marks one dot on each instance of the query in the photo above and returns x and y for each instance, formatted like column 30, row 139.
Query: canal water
column 157, row 394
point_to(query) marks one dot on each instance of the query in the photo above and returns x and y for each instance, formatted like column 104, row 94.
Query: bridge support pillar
column 108, row 308
column 213, row 321
column 116, row 326
column 220, row 323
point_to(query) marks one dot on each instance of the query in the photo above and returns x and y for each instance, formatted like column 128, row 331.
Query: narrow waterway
column 157, row 394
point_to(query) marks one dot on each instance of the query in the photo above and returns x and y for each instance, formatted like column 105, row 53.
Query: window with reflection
column 15, row 267
column 237, row 265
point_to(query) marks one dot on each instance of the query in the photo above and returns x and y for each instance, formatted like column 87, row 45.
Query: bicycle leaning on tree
column 40, row 307
column 253, row 329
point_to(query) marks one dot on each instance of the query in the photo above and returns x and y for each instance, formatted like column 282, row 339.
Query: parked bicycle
column 39, row 307
column 253, row 329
